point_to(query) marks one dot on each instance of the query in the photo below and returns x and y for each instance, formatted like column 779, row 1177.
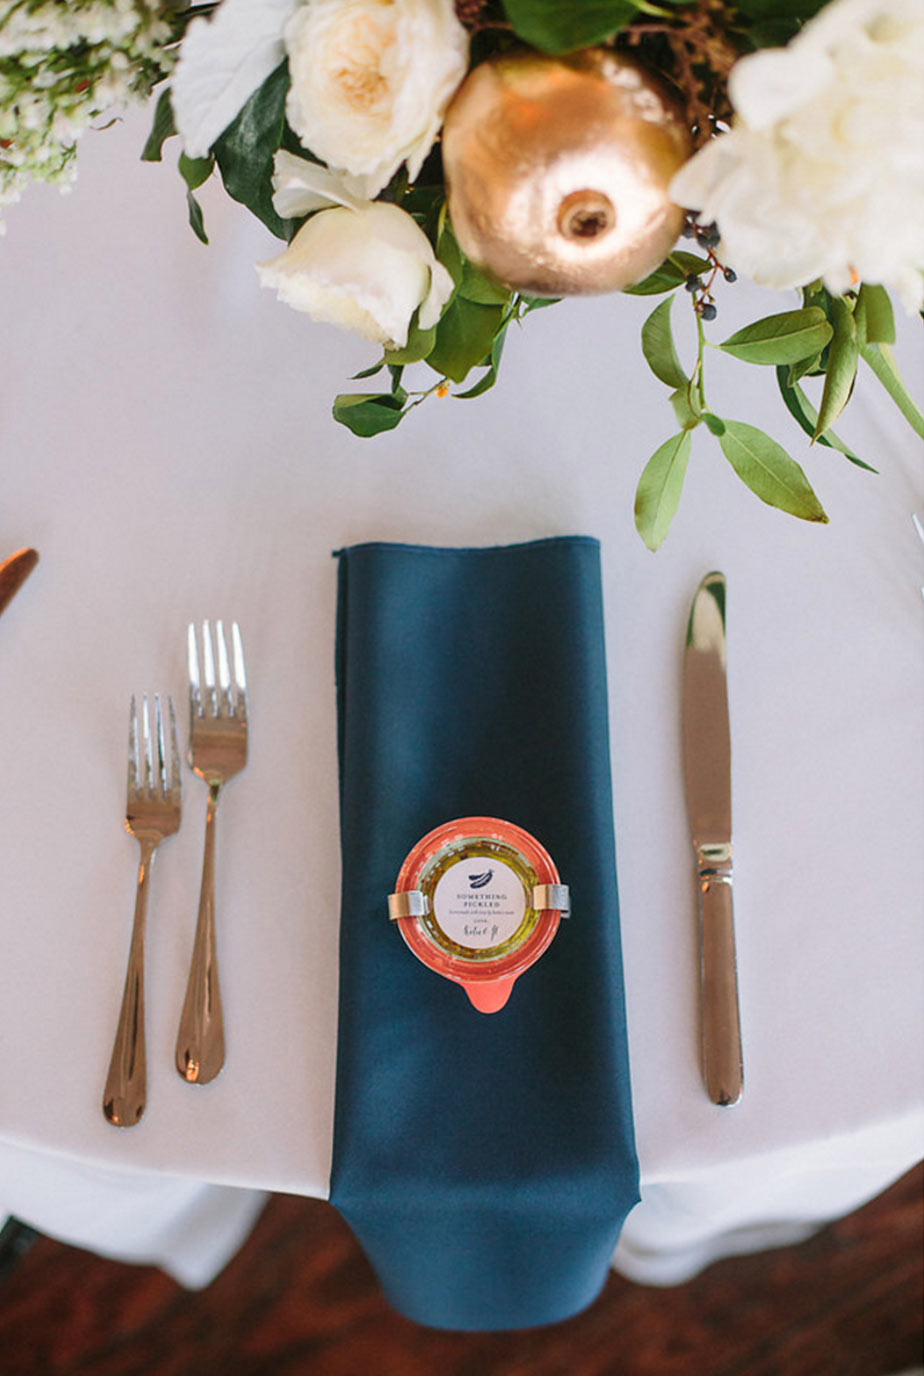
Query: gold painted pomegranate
column 557, row 170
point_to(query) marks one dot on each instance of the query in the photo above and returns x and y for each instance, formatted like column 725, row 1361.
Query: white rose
column 822, row 173
column 371, row 80
column 363, row 265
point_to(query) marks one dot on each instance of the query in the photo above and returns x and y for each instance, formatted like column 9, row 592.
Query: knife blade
column 707, row 776
column 13, row 573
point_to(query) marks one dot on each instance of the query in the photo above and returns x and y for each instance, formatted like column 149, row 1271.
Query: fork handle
column 200, row 1045
column 125, row 1091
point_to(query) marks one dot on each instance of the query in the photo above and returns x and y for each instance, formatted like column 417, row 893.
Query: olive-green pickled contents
column 477, row 848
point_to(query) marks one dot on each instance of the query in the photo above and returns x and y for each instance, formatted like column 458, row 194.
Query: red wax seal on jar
column 478, row 900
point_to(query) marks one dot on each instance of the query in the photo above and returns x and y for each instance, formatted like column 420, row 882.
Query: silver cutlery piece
column 707, row 772
column 152, row 812
column 217, row 751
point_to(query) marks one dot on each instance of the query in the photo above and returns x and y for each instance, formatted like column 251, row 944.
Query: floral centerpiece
column 439, row 169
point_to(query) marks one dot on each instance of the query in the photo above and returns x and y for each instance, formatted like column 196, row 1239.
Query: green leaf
column 195, row 171
column 843, row 357
column 554, row 27
column 874, row 316
column 769, row 472
column 162, row 129
column 672, row 273
column 464, row 337
column 419, row 343
column 802, row 410
column 686, row 407
column 368, row 413
column 448, row 252
column 537, row 303
column 881, row 359
column 659, row 489
column 245, row 151
column 714, row 423
column 658, row 346
column 475, row 286
column 489, row 378
column 369, row 372
column 196, row 218
column 783, row 338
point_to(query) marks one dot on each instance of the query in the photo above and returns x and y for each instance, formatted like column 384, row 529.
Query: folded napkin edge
column 452, row 551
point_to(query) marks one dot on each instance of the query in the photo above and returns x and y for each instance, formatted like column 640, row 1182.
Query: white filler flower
column 822, row 173
column 363, row 265
column 371, row 80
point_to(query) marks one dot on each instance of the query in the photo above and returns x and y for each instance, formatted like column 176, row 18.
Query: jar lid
column 478, row 900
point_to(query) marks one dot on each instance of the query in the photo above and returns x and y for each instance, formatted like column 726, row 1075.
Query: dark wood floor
column 300, row 1298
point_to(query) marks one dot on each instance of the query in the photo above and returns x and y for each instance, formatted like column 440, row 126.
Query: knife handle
column 722, row 1061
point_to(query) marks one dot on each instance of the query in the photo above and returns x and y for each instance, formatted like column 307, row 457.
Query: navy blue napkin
column 485, row 1162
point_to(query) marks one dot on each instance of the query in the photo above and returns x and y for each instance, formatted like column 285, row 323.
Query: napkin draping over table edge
column 485, row 1162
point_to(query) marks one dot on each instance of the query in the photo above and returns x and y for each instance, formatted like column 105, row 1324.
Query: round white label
column 479, row 902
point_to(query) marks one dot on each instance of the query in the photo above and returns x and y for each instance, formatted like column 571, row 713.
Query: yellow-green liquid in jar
column 477, row 848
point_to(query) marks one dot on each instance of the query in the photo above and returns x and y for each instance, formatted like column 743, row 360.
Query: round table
column 166, row 444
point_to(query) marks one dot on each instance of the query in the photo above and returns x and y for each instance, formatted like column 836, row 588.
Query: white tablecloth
column 166, row 444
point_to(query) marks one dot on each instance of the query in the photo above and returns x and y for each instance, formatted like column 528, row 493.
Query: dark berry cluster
column 699, row 284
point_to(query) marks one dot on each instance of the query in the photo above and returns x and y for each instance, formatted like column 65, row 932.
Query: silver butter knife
column 707, row 774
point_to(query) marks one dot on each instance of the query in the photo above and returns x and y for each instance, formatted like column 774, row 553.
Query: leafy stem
column 879, row 357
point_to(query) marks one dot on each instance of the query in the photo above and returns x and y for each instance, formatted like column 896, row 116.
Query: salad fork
column 152, row 812
column 217, row 751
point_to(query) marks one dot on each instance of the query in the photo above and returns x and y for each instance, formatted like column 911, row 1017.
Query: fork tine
column 192, row 664
column 147, row 744
column 208, row 668
column 175, row 783
column 240, row 677
column 224, row 672
column 161, row 746
column 132, row 747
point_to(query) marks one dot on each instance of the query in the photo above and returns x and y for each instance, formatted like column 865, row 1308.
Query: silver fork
column 217, row 750
column 152, row 812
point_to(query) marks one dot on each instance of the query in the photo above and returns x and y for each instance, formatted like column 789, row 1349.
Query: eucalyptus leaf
column 783, row 338
column 802, row 410
column 246, row 149
column 843, row 358
column 162, row 129
column 464, row 337
column 874, row 316
column 766, row 468
column 554, row 27
column 368, row 413
column 658, row 346
column 659, row 488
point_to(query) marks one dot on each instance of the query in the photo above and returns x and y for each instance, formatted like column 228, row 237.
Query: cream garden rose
column 362, row 265
column 822, row 173
column 371, row 79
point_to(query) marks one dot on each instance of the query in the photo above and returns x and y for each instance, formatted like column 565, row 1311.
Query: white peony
column 363, row 265
column 371, row 80
column 822, row 173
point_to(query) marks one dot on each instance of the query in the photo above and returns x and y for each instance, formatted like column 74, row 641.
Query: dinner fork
column 152, row 812
column 217, row 750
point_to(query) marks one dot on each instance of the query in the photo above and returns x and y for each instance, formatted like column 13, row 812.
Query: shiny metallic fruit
column 557, row 171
